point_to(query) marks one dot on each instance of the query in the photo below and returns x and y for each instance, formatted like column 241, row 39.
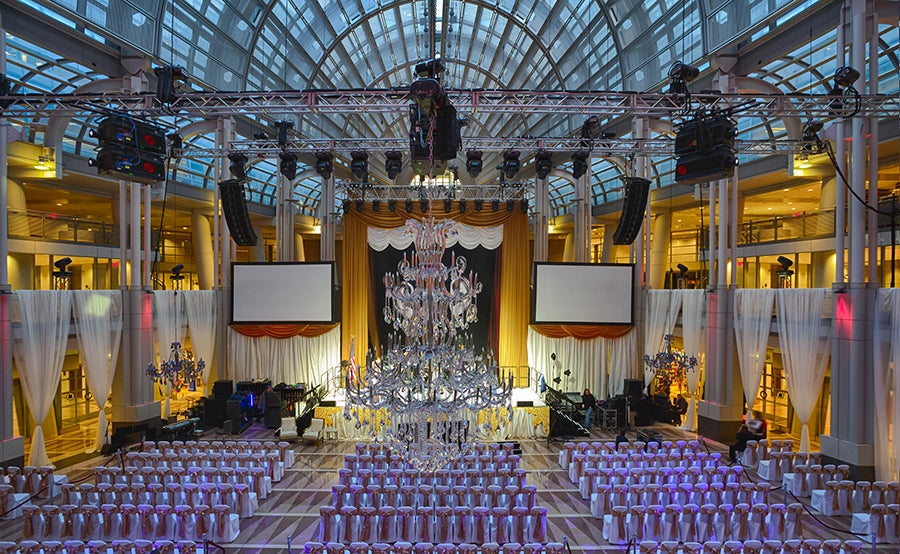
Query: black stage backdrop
column 482, row 261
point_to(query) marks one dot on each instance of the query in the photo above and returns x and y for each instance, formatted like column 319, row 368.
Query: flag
column 352, row 370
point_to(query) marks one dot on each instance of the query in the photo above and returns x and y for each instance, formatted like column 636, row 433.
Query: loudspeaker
column 328, row 403
column 234, row 204
column 222, row 390
column 233, row 411
column 636, row 191
column 213, row 412
column 634, row 387
column 524, row 403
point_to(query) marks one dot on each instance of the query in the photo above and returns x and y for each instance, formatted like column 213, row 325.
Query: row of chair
column 239, row 497
column 847, row 497
column 723, row 475
column 805, row 477
column 258, row 478
column 424, row 524
column 480, row 462
column 634, row 447
column 580, row 462
column 640, row 495
column 131, row 522
column 32, row 480
column 272, row 461
column 404, row 547
column 776, row 463
column 703, row 523
column 122, row 546
column 880, row 522
column 456, row 477
column 478, row 448
column 237, row 446
column 426, row 495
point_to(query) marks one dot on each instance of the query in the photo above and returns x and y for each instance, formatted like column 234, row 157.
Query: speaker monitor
column 636, row 191
column 233, row 410
column 236, row 215
column 634, row 387
column 223, row 389
column 524, row 403
column 213, row 412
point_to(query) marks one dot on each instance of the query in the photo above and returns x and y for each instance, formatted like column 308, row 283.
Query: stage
column 528, row 421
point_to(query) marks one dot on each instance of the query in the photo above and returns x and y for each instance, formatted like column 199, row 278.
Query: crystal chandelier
column 669, row 365
column 426, row 396
column 178, row 371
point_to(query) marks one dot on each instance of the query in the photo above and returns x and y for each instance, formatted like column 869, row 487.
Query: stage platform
column 528, row 421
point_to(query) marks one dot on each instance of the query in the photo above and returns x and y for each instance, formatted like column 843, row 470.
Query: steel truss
column 525, row 102
column 515, row 191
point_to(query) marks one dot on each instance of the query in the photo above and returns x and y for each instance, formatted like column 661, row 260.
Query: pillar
column 201, row 236
column 608, row 254
column 299, row 252
column 659, row 251
column 258, row 250
column 581, row 234
column 327, row 218
column 541, row 220
column 569, row 248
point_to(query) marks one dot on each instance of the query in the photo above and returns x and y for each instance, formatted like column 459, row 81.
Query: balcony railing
column 30, row 224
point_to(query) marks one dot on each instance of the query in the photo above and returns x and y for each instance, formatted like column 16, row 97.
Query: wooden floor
column 291, row 512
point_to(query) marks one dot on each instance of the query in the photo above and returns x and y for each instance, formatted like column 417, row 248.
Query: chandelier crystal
column 669, row 365
column 427, row 394
column 179, row 370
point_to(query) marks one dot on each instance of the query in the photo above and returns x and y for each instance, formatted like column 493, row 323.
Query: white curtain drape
column 98, row 325
column 467, row 236
column 201, row 316
column 752, row 320
column 661, row 314
column 805, row 350
column 623, row 362
column 171, row 323
column 693, row 303
column 39, row 353
column 291, row 360
column 587, row 360
column 887, row 397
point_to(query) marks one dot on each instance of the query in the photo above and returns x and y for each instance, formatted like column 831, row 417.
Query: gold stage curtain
column 583, row 332
column 515, row 264
column 283, row 331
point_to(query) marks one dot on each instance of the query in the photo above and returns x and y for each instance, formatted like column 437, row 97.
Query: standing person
column 588, row 402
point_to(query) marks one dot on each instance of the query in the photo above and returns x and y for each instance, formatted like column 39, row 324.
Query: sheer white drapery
column 98, row 326
column 623, row 362
column 39, row 353
column 752, row 320
column 201, row 316
column 171, row 323
column 661, row 314
column 693, row 303
column 587, row 359
column 467, row 236
column 804, row 350
column 291, row 360
column 887, row 398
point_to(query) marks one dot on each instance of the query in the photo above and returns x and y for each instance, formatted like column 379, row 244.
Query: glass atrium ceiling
column 247, row 45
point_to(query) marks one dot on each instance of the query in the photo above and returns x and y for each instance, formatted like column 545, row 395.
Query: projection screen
column 282, row 292
column 582, row 294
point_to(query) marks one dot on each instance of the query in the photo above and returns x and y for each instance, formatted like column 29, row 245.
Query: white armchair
column 314, row 432
column 288, row 429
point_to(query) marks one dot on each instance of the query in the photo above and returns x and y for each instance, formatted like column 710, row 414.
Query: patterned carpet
column 291, row 512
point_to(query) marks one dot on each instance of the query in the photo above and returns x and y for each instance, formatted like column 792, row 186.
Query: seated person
column 753, row 429
column 621, row 438
column 588, row 402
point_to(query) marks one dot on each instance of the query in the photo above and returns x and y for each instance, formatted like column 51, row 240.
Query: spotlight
column 681, row 74
column 324, row 164
column 785, row 262
column 359, row 165
column 448, row 205
column 260, row 135
column 61, row 263
column 510, row 163
column 811, row 135
column 176, row 142
column 283, row 127
column 237, row 167
column 392, row 204
column 844, row 77
column 409, row 206
column 543, row 164
column 682, row 269
column 429, row 68
column 510, row 204
column 479, row 204
column 462, row 206
column 393, row 164
column 376, row 205
column 590, row 127
column 360, row 204
column 579, row 163
column 288, row 165
column 168, row 77
column 524, row 205
column 423, row 205
column 176, row 273
column 345, row 205
column 474, row 164
column 495, row 205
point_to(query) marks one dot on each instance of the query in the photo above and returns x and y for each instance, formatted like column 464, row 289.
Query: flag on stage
column 352, row 370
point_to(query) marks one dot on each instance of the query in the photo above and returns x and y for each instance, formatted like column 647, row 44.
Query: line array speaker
column 234, row 204
column 636, row 191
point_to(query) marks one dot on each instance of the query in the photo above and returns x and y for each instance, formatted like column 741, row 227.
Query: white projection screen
column 583, row 294
column 282, row 292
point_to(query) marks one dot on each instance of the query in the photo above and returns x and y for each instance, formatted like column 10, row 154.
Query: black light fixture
column 423, row 205
column 392, row 204
column 288, row 165
column 474, row 165
column 238, row 166
column 176, row 144
column 680, row 75
column 844, row 77
column 448, row 204
column 543, row 164
column 359, row 165
column 409, row 205
column 510, row 204
column 524, row 205
column 345, row 204
column 682, row 270
column 324, row 164
column 785, row 262
column 393, row 164
column 590, row 127
column 168, row 78
column 462, row 205
column 811, row 135
column 176, row 274
column 376, row 205
column 579, row 163
column 61, row 265
column 479, row 203
column 283, row 127
column 495, row 205
column 360, row 204
column 510, row 163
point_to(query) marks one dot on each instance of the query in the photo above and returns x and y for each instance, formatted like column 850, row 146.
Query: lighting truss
column 508, row 191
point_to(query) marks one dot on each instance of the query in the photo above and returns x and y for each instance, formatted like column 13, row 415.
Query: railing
column 39, row 225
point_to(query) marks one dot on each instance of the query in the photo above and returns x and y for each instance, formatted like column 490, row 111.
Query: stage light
column 61, row 263
column 393, row 164
column 176, row 142
column 409, row 206
column 495, row 205
column 579, row 163
column 845, row 76
column 479, row 204
column 543, row 164
column 682, row 269
column 238, row 166
column 62, row 272
column 681, row 74
column 376, row 205
column 448, row 205
column 590, row 127
column 176, row 272
column 785, row 262
column 462, row 206
column 168, row 78
column 288, row 165
column 474, row 164
column 524, row 205
column 345, row 205
column 392, row 204
column 510, row 163
column 282, row 127
column 360, row 204
column 324, row 164
column 429, row 68
column 510, row 204
column 359, row 165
